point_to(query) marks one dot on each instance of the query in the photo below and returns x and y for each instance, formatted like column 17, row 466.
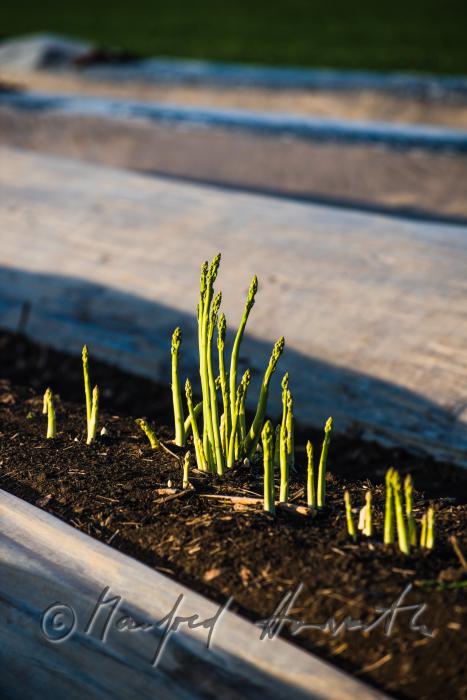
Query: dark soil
column 110, row 490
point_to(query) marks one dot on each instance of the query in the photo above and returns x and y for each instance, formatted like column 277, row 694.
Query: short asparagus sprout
column 50, row 410
column 179, row 419
column 404, row 544
column 254, row 433
column 87, row 385
column 186, row 469
column 237, row 343
column 149, row 432
column 322, row 464
column 411, row 527
column 368, row 527
column 310, row 483
column 200, row 457
column 348, row 515
column 423, row 532
column 430, row 528
column 45, row 402
column 268, row 460
column 362, row 518
column 389, row 509
column 94, row 416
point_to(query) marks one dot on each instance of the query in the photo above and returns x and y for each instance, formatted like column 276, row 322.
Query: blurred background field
column 419, row 35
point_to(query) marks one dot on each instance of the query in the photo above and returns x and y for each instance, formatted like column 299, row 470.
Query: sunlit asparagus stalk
column 321, row 496
column 268, row 458
column 219, row 455
column 411, row 527
column 402, row 537
column 423, row 532
column 238, row 401
column 205, row 318
column 287, row 449
column 94, row 416
column 389, row 509
column 253, row 434
column 179, row 419
column 348, row 515
column 290, row 432
column 241, row 432
column 186, row 468
column 221, row 333
column 430, row 528
column 200, row 458
column 237, row 342
column 283, row 453
column 197, row 410
column 149, row 432
column 50, row 410
column 310, row 482
column 87, row 385
column 368, row 527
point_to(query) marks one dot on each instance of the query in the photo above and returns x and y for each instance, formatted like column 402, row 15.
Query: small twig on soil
column 111, row 538
column 179, row 494
column 245, row 501
column 458, row 551
column 374, row 666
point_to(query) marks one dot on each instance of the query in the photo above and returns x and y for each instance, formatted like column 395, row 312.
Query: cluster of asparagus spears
column 398, row 516
column 224, row 437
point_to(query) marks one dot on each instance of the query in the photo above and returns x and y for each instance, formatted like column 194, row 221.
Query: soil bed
column 111, row 491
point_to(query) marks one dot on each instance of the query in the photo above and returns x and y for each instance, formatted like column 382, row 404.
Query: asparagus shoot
column 389, row 509
column 231, row 451
column 176, row 390
column 402, row 537
column 411, row 527
column 200, row 458
column 430, row 528
column 196, row 410
column 268, row 458
column 87, row 385
column 253, row 435
column 219, row 456
column 277, row 446
column 322, row 464
column 186, row 468
column 221, row 333
column 49, row 403
column 423, row 532
column 368, row 527
column 290, row 432
column 310, row 484
column 238, row 341
column 149, row 432
column 94, row 416
column 348, row 514
column 283, row 453
column 242, row 414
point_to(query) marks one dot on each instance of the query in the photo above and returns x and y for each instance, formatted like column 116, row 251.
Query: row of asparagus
column 398, row 516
